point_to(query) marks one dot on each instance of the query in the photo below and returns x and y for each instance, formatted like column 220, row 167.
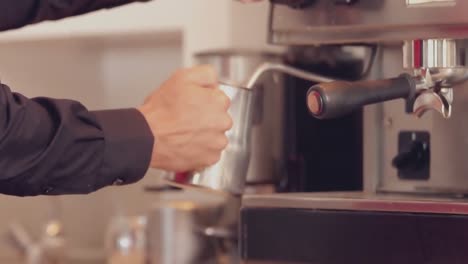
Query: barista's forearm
column 18, row 13
column 55, row 146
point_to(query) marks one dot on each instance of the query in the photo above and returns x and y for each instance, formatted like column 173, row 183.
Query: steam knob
column 315, row 103
column 414, row 158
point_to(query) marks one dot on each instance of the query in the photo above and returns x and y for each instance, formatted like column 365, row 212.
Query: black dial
column 413, row 158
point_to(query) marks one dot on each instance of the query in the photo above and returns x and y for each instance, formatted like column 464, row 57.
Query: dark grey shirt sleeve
column 50, row 146
column 18, row 13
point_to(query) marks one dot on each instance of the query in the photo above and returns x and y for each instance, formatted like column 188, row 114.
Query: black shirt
column 52, row 147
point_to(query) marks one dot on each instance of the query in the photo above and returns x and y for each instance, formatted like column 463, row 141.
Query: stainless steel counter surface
column 358, row 201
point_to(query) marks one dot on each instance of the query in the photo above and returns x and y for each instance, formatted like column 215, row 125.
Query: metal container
column 236, row 67
column 228, row 174
column 176, row 233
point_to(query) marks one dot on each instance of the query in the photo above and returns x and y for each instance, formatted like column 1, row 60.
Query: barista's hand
column 188, row 117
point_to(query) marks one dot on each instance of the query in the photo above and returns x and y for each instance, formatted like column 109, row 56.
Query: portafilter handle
column 335, row 99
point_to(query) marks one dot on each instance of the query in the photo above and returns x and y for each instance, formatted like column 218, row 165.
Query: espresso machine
column 375, row 164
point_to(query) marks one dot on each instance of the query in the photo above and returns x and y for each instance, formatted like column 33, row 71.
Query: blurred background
column 112, row 59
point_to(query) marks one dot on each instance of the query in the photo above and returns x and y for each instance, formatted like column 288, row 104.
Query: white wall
column 100, row 73
column 111, row 59
column 205, row 24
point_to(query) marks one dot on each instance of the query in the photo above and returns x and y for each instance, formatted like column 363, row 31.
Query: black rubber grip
column 336, row 99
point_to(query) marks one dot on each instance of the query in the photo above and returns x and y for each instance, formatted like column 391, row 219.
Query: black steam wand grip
column 335, row 99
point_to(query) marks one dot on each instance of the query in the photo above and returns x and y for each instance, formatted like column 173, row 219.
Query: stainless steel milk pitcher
column 228, row 174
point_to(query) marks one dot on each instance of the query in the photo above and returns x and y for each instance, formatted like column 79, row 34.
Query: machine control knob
column 414, row 158
column 297, row 4
column 315, row 103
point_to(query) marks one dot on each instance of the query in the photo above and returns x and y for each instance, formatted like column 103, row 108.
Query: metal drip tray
column 358, row 201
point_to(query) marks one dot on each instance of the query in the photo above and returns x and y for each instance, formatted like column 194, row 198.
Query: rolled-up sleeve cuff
column 128, row 146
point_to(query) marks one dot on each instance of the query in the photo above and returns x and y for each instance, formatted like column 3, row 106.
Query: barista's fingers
column 219, row 123
column 212, row 159
column 200, row 169
column 209, row 159
column 219, row 143
column 202, row 75
column 222, row 99
column 226, row 123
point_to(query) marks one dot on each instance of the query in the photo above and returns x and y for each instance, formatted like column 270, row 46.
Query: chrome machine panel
column 413, row 36
column 344, row 21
